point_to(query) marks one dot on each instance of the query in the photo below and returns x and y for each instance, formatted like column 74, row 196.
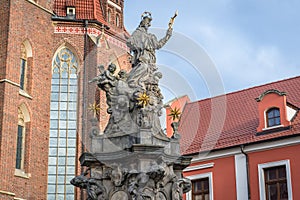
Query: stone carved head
column 146, row 20
column 112, row 68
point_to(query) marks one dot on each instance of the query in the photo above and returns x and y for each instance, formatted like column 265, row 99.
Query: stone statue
column 135, row 100
column 117, row 175
column 94, row 187
column 134, row 159
column 107, row 82
column 143, row 45
column 179, row 187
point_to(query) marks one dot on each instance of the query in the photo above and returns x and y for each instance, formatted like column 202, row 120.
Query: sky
column 218, row 47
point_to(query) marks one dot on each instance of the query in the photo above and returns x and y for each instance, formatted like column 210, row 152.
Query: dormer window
column 273, row 117
column 275, row 113
column 71, row 12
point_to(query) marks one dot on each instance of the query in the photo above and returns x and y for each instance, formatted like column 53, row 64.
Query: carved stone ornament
column 134, row 159
column 124, row 92
column 258, row 99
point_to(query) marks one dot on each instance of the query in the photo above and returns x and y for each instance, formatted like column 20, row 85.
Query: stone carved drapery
column 134, row 159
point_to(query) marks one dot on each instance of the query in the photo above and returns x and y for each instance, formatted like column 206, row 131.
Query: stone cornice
column 258, row 99
column 7, row 193
column 39, row 6
column 10, row 82
column 91, row 31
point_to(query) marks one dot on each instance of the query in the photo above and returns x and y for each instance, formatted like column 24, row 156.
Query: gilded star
column 95, row 108
column 175, row 113
column 143, row 99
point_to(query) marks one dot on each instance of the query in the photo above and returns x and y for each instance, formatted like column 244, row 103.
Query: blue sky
column 222, row 46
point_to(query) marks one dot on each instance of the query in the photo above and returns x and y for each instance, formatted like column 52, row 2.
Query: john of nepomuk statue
column 124, row 91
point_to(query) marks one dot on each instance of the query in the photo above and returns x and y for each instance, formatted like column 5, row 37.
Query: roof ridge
column 245, row 89
column 263, row 85
column 174, row 99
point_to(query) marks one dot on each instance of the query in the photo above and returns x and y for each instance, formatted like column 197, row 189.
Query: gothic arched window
column 63, row 125
column 23, row 119
column 108, row 15
column 117, row 20
column 25, row 66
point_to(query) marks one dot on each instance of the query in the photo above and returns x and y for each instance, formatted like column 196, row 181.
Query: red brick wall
column 8, row 136
column 4, row 25
column 36, row 27
column 23, row 20
column 2, row 87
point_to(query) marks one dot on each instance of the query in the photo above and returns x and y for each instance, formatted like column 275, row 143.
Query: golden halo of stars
column 175, row 114
column 143, row 99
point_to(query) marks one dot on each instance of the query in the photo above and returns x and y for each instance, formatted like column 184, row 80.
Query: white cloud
column 241, row 62
column 248, row 41
column 268, row 57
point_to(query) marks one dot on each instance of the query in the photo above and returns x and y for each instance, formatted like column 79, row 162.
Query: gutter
column 85, row 37
column 84, row 21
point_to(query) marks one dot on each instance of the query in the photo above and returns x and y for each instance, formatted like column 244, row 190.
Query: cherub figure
column 108, row 79
column 107, row 82
column 105, row 77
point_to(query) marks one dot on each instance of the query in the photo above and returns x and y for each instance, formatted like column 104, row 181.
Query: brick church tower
column 49, row 52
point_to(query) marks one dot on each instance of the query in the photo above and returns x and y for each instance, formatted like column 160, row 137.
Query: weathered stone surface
column 134, row 159
column 141, row 172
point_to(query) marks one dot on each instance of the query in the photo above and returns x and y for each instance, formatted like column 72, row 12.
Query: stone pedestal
column 130, row 167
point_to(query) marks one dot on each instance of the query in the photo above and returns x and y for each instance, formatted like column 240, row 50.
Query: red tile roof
column 85, row 9
column 70, row 2
column 232, row 119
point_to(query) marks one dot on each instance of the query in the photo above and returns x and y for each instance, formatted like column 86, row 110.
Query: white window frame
column 261, row 176
column 114, row 4
column 266, row 119
column 118, row 23
column 200, row 176
column 23, row 118
column 71, row 11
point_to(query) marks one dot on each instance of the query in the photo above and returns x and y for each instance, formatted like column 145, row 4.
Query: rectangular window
column 275, row 181
column 71, row 11
column 19, row 147
column 200, row 189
